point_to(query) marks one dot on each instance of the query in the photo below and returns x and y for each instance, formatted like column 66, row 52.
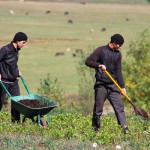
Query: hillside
column 92, row 1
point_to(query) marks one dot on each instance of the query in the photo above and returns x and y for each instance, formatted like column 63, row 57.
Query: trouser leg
column 14, row 91
column 2, row 97
column 100, row 95
column 117, row 104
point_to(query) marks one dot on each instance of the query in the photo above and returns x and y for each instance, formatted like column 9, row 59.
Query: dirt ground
column 107, row 108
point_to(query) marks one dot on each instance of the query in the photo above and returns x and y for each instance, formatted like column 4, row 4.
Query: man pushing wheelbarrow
column 9, row 70
column 30, row 105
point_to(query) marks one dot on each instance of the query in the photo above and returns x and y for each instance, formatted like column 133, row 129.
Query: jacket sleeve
column 3, row 53
column 119, row 75
column 92, row 60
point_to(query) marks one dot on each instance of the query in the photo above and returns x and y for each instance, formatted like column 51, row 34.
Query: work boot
column 96, row 123
column 125, row 130
column 95, row 129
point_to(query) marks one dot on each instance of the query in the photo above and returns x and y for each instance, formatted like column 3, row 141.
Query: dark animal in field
column 83, row 3
column 27, row 13
column 66, row 13
column 78, row 50
column 48, row 12
column 103, row 29
column 59, row 54
column 127, row 19
column 70, row 21
column 74, row 55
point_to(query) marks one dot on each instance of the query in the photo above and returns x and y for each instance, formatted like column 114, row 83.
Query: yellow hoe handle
column 115, row 83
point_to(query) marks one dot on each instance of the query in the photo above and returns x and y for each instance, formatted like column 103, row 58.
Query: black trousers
column 110, row 92
column 14, row 90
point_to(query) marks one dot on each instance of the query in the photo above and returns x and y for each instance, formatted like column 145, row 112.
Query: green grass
column 50, row 33
column 73, row 131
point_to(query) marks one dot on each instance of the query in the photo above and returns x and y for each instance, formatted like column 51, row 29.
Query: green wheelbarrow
column 30, row 112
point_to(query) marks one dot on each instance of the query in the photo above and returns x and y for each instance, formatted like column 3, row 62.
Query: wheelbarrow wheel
column 43, row 122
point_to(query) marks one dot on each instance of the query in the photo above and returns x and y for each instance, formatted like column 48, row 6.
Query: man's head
column 117, row 40
column 19, row 40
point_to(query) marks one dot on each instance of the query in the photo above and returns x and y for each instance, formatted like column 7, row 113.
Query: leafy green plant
column 74, row 130
column 51, row 90
column 137, row 68
column 86, row 82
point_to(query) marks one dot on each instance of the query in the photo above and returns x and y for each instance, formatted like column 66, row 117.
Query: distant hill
column 92, row 1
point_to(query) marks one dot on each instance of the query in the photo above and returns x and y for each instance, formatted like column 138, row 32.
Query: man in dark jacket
column 108, row 57
column 9, row 70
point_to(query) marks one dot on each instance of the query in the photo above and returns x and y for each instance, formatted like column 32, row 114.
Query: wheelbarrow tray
column 31, row 112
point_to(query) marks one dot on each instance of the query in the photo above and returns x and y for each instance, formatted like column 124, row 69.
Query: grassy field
column 72, row 131
column 50, row 33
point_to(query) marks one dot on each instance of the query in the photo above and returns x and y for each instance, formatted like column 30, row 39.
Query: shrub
column 51, row 90
column 137, row 68
column 86, row 83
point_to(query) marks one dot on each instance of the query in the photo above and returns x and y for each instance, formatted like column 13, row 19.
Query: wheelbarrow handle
column 5, row 88
column 25, row 85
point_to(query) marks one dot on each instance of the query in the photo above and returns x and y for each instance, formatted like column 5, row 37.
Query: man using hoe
column 108, row 57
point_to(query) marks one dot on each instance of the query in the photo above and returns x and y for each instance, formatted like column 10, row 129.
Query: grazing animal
column 66, row 13
column 48, row 12
column 70, row 21
column 103, row 29
column 91, row 30
column 27, row 13
column 83, row 3
column 11, row 12
column 74, row 55
column 79, row 50
column 59, row 54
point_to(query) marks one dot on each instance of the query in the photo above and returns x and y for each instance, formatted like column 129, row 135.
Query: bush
column 137, row 68
column 51, row 90
column 86, row 83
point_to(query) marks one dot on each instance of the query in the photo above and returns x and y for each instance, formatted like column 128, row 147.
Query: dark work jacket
column 111, row 59
column 8, row 63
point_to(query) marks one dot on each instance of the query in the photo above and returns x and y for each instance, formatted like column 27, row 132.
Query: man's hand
column 0, row 77
column 103, row 67
column 20, row 73
column 123, row 91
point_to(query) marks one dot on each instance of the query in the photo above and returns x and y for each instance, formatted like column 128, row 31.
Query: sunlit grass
column 51, row 33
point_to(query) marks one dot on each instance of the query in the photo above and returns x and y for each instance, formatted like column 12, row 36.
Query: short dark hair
column 117, row 38
column 20, row 36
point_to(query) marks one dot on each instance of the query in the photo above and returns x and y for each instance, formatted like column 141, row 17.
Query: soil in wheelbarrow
column 33, row 103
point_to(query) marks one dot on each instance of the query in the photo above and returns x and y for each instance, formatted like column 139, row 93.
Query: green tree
column 137, row 69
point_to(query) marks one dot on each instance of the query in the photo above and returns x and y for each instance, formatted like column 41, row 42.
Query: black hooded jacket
column 111, row 59
column 8, row 63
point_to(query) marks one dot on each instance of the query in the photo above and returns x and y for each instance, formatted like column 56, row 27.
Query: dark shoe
column 96, row 123
column 95, row 129
column 16, row 121
column 125, row 130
